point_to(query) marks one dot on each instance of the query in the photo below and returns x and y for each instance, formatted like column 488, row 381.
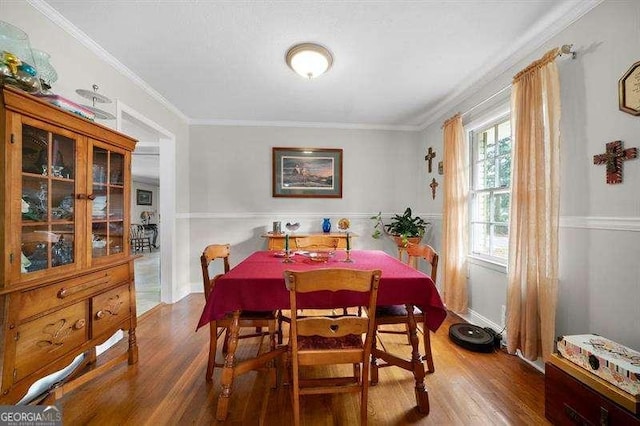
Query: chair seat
column 266, row 315
column 395, row 311
column 350, row 341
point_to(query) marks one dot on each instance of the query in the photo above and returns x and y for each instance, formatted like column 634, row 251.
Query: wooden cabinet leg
column 133, row 347
column 90, row 356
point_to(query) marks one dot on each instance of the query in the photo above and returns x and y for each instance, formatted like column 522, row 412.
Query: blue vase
column 326, row 225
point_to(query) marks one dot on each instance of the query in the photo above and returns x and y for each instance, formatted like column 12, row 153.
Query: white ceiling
column 395, row 62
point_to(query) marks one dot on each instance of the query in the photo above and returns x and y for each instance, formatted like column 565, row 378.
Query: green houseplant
column 403, row 228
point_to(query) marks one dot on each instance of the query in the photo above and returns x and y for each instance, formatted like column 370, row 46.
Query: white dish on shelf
column 99, row 243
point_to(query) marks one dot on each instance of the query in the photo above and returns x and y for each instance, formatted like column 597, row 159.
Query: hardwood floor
column 168, row 386
column 147, row 273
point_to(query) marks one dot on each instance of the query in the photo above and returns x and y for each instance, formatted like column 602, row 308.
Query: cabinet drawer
column 43, row 340
column 570, row 402
column 109, row 309
column 54, row 295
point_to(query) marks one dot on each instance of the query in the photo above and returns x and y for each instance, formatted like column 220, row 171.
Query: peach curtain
column 535, row 187
column 455, row 222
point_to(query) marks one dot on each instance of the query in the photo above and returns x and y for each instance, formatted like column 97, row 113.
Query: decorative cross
column 433, row 186
column 613, row 158
column 430, row 156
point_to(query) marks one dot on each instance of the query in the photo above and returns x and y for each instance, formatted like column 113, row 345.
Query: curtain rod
column 566, row 49
column 487, row 99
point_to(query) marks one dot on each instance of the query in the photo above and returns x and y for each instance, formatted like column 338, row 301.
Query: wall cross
column 431, row 154
column 613, row 158
column 433, row 186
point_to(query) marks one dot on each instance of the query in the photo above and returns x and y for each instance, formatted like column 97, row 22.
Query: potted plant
column 403, row 228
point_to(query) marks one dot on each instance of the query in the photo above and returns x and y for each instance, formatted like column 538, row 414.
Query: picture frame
column 306, row 172
column 144, row 197
column 629, row 90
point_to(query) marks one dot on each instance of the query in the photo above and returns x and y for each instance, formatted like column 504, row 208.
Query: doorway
column 155, row 151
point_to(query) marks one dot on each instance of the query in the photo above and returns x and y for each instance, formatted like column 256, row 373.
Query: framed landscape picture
column 307, row 172
column 143, row 197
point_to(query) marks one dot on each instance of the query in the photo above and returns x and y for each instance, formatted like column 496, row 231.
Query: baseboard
column 482, row 321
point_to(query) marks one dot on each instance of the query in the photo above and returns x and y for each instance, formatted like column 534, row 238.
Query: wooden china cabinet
column 66, row 267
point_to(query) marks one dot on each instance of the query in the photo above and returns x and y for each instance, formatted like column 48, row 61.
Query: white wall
column 231, row 182
column 136, row 209
column 229, row 170
column 600, row 223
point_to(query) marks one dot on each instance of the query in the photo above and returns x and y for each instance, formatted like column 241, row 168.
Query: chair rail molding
column 298, row 215
column 627, row 223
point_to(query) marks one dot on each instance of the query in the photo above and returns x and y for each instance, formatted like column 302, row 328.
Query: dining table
column 257, row 284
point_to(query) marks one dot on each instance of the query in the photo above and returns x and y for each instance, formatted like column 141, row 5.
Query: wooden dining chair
column 397, row 314
column 249, row 319
column 138, row 238
column 328, row 340
column 316, row 242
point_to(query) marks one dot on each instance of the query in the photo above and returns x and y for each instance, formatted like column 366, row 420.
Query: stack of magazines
column 68, row 105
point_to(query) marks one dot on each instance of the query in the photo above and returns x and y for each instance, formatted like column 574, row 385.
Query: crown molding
column 53, row 15
column 303, row 124
column 529, row 42
column 539, row 34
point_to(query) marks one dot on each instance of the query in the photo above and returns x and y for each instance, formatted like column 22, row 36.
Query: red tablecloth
column 257, row 284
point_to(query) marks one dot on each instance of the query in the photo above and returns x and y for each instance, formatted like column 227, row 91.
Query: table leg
column 226, row 379
column 422, row 396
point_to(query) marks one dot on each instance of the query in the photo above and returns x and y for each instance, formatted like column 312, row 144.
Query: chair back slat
column 298, row 282
column 329, row 279
column 332, row 327
column 426, row 252
column 316, row 242
column 211, row 253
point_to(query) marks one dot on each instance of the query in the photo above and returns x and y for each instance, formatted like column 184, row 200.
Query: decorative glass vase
column 326, row 225
column 46, row 72
column 17, row 66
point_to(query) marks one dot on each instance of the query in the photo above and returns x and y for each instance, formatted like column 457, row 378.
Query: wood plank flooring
column 167, row 387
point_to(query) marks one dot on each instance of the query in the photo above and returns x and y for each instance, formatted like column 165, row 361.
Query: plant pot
column 412, row 240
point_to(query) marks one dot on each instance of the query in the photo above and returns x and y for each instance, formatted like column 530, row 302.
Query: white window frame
column 492, row 118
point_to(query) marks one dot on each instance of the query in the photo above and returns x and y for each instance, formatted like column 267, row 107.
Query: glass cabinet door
column 48, row 226
column 108, row 213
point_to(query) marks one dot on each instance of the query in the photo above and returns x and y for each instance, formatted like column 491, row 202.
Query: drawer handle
column 574, row 416
column 79, row 324
column 604, row 417
column 64, row 292
column 100, row 314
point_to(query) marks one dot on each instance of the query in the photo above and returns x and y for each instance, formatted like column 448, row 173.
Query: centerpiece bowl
column 319, row 256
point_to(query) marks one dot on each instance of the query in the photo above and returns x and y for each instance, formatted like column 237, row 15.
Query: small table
column 276, row 241
column 257, row 284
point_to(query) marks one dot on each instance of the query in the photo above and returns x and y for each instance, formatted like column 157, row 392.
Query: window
column 490, row 189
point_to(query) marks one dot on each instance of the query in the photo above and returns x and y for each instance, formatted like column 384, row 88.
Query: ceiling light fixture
column 310, row 60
